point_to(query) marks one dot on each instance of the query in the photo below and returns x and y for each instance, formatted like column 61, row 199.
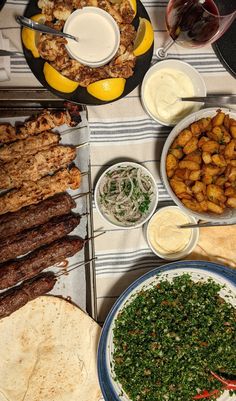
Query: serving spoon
column 29, row 23
column 207, row 224
column 211, row 99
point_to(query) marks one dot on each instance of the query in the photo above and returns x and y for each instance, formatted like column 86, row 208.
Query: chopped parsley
column 169, row 337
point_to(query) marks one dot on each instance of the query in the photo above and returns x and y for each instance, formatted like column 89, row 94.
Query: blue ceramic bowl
column 111, row 389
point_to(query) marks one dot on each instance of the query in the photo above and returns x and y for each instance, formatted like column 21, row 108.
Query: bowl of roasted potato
column 198, row 164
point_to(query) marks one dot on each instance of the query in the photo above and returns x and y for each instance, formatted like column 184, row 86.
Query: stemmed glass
column 195, row 23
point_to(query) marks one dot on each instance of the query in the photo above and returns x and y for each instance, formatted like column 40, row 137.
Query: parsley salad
column 170, row 336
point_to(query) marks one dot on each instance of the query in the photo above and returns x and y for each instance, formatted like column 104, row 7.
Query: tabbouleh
column 169, row 337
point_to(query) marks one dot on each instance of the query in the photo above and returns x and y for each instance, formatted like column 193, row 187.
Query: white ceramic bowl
column 199, row 271
column 188, row 248
column 196, row 79
column 229, row 214
column 152, row 206
column 99, row 36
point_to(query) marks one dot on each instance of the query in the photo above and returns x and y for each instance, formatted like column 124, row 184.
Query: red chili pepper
column 229, row 384
column 206, row 394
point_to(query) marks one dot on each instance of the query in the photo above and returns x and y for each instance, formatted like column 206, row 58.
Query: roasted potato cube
column 195, row 129
column 184, row 137
column 232, row 162
column 192, row 204
column 226, row 121
column 215, row 193
column 232, row 130
column 213, row 207
column 170, row 173
column 206, row 157
column 214, row 136
column 203, row 140
column 221, row 180
column 205, row 124
column 200, row 197
column 210, row 169
column 231, row 202
column 175, row 144
column 190, row 146
column 176, row 152
column 211, row 146
column 194, row 157
column 218, row 119
column 195, row 175
column 178, row 186
column 203, row 205
column 219, row 160
column 182, row 173
column 232, row 174
column 184, row 195
column 199, row 187
column 226, row 137
column 207, row 178
column 171, row 162
column 190, row 165
column 231, row 192
column 229, row 149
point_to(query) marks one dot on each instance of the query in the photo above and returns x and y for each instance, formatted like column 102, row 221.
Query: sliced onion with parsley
column 125, row 194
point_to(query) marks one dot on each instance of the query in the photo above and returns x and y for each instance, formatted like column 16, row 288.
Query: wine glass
column 195, row 23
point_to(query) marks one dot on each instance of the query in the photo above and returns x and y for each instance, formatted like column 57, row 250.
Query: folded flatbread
column 48, row 353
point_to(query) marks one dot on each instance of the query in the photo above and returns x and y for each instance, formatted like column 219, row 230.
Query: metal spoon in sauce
column 29, row 23
column 212, row 99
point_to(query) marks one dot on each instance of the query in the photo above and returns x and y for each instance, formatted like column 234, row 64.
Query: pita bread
column 48, row 353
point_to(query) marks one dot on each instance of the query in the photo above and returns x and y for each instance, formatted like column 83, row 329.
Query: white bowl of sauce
column 168, row 241
column 98, row 33
column 164, row 83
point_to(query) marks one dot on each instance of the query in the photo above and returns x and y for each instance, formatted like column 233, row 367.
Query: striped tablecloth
column 122, row 130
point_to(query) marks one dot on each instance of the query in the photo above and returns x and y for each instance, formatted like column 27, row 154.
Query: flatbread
column 48, row 353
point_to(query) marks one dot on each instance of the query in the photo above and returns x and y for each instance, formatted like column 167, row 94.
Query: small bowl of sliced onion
column 126, row 195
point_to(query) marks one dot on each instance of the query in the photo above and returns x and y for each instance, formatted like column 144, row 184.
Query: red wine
column 191, row 23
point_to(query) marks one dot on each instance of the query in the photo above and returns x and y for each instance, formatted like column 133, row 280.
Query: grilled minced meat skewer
column 14, row 299
column 28, row 146
column 31, row 193
column 35, row 215
column 28, row 240
column 34, row 167
column 35, row 262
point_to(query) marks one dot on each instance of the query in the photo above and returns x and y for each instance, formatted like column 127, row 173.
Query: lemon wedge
column 107, row 89
column 57, row 80
column 144, row 37
column 30, row 38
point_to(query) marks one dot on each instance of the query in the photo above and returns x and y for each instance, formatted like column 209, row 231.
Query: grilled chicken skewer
column 29, row 266
column 33, row 238
column 35, row 125
column 28, row 146
column 34, row 192
column 34, row 167
column 21, row 295
column 35, row 215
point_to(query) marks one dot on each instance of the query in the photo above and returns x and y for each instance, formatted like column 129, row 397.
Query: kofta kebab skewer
column 19, row 296
column 13, row 272
column 47, row 120
column 31, row 193
column 15, row 298
column 35, row 215
column 28, row 240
